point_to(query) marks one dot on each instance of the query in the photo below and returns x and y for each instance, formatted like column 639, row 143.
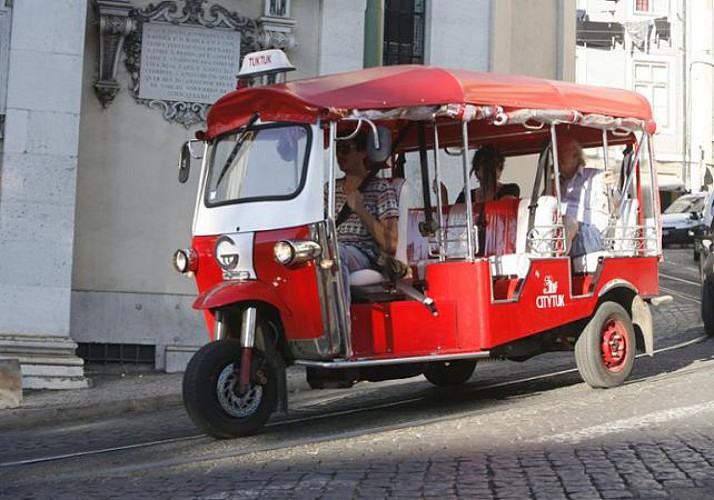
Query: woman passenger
column 487, row 165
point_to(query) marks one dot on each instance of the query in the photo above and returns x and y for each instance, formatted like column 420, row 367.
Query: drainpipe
column 373, row 33
column 685, row 100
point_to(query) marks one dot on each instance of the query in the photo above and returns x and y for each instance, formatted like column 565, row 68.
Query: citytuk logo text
column 550, row 297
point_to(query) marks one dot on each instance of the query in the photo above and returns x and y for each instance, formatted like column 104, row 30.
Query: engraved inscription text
column 190, row 64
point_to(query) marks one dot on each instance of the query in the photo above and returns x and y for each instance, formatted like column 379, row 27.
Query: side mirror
column 380, row 147
column 184, row 163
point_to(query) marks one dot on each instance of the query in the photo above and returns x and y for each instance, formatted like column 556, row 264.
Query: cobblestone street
column 517, row 430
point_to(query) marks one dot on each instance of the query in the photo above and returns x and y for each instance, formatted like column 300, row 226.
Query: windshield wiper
column 236, row 148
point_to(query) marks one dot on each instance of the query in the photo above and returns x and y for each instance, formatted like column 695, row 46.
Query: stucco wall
column 132, row 213
column 341, row 36
column 526, row 37
column 459, row 36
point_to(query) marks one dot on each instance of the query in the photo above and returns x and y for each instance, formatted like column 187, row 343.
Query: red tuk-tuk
column 486, row 280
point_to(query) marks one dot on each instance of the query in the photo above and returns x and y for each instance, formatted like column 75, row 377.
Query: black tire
column 695, row 253
column 707, row 306
column 603, row 368
column 210, row 396
column 447, row 373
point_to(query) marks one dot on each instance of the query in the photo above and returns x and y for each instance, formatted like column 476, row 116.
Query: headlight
column 185, row 260
column 283, row 253
column 293, row 253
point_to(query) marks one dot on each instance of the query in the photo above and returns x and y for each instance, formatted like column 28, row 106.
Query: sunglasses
column 345, row 149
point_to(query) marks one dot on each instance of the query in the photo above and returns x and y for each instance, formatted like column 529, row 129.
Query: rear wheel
column 605, row 350
column 212, row 395
column 448, row 373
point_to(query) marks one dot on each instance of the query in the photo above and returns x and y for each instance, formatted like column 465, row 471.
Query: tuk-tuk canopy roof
column 389, row 87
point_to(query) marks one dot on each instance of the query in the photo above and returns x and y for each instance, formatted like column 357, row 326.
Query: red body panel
column 402, row 329
column 471, row 321
column 292, row 291
column 297, row 287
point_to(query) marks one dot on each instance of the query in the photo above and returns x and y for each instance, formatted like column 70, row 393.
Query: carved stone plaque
column 192, row 64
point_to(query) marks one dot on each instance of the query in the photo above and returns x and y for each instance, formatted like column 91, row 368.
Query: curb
column 22, row 418
column 68, row 405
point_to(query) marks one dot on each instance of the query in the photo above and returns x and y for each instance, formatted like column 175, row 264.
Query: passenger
column 583, row 189
column 371, row 228
column 487, row 165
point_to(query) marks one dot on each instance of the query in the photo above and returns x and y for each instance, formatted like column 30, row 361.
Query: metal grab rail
column 631, row 241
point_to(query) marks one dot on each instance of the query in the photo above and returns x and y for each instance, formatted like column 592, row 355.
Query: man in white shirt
column 584, row 191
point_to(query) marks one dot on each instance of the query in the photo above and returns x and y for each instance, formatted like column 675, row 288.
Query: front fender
column 229, row 292
column 642, row 317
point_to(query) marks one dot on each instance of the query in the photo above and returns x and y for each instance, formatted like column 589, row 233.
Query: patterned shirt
column 585, row 197
column 380, row 200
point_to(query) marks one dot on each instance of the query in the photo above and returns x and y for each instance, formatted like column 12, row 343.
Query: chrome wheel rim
column 232, row 402
column 614, row 345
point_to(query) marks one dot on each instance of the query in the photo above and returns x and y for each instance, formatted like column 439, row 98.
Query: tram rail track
column 284, row 444
column 679, row 279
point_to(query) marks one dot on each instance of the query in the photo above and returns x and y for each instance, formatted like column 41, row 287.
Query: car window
column 686, row 204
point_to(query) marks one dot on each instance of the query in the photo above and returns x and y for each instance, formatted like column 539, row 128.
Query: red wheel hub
column 614, row 345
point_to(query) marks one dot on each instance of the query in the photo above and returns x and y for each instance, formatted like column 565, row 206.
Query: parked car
column 682, row 219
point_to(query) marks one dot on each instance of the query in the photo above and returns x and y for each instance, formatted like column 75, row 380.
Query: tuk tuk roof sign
column 391, row 87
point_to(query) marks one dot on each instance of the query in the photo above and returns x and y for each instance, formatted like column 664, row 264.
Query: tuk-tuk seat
column 418, row 246
column 624, row 233
column 499, row 228
column 542, row 238
column 367, row 277
column 588, row 263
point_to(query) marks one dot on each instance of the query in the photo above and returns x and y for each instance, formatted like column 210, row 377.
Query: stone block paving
column 641, row 466
column 679, row 466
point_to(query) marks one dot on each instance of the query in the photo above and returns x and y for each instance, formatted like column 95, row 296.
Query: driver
column 371, row 227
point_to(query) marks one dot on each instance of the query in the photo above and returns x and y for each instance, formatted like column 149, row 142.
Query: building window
column 277, row 8
column 116, row 354
column 403, row 32
column 642, row 5
column 652, row 81
column 660, row 7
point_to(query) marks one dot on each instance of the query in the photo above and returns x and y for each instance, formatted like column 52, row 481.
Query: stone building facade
column 663, row 50
column 90, row 210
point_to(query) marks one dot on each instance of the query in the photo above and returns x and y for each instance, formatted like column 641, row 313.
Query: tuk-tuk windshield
column 260, row 163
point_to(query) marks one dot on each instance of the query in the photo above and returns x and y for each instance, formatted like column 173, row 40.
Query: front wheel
column 446, row 373
column 605, row 350
column 212, row 395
